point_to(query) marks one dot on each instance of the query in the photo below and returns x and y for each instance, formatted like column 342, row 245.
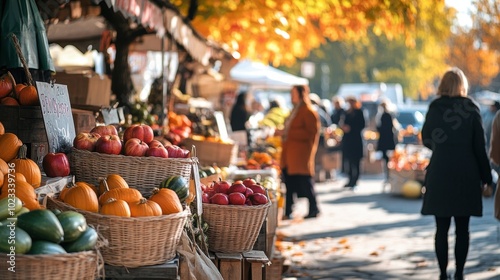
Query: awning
column 256, row 73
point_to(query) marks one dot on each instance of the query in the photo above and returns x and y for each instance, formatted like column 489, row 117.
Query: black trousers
column 353, row 169
column 461, row 242
column 300, row 186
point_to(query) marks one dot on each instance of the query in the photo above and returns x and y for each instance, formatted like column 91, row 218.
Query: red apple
column 248, row 192
column 221, row 187
column 203, row 187
column 258, row 199
column 220, row 198
column 135, row 147
column 210, row 192
column 248, row 182
column 56, row 165
column 105, row 130
column 175, row 151
column 205, row 198
column 237, row 198
column 155, row 143
column 86, row 141
column 142, row 132
column 158, row 151
column 237, row 187
column 109, row 144
column 256, row 188
column 248, row 202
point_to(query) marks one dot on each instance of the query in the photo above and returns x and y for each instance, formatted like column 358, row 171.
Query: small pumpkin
column 130, row 195
column 9, row 146
column 112, row 181
column 7, row 84
column 144, row 208
column 115, row 207
column 27, row 167
column 2, row 128
column 28, row 96
column 11, row 178
column 9, row 101
column 23, row 190
column 168, row 200
column 4, row 168
column 70, row 185
column 18, row 88
column 81, row 196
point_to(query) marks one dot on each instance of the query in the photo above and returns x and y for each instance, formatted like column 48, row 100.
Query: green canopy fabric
column 23, row 19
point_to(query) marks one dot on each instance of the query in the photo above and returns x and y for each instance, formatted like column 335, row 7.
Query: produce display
column 241, row 192
column 13, row 94
column 409, row 157
column 115, row 197
column 43, row 231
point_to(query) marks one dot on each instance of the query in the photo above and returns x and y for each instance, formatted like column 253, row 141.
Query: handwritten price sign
column 57, row 116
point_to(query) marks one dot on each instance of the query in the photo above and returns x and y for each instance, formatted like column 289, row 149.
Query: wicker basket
column 134, row 242
column 233, row 228
column 143, row 173
column 81, row 265
column 209, row 153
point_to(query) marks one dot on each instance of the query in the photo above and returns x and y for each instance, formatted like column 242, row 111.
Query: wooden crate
column 27, row 123
column 250, row 265
column 84, row 120
column 208, row 153
column 168, row 270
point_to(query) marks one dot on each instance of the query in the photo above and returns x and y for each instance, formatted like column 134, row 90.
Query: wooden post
column 230, row 265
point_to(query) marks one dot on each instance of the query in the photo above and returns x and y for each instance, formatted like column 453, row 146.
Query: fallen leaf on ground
column 374, row 253
column 343, row 240
column 297, row 254
column 422, row 264
column 302, row 243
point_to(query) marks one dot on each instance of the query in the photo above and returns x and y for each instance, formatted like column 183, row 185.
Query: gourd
column 27, row 167
column 112, row 181
column 178, row 184
column 82, row 197
column 144, row 208
column 167, row 199
column 6, row 204
column 130, row 195
column 9, row 146
column 41, row 224
column 9, row 101
column 22, row 239
column 41, row 247
column 115, row 207
column 23, row 190
column 73, row 224
column 86, row 241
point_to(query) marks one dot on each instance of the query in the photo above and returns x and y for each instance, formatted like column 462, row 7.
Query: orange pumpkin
column 82, row 197
column 70, row 185
column 28, row 96
column 128, row 194
column 7, row 84
column 144, row 208
column 12, row 178
column 167, row 199
column 27, row 167
column 9, row 146
column 112, row 181
column 2, row 128
column 9, row 101
column 4, row 168
column 18, row 88
column 23, row 190
column 115, row 207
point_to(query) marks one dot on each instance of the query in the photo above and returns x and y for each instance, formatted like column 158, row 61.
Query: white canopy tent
column 256, row 74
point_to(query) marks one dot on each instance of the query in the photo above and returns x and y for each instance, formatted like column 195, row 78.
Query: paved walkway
column 369, row 234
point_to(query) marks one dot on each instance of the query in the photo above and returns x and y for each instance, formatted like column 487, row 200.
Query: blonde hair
column 453, row 83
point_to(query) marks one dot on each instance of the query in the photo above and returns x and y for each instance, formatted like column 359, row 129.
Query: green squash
column 85, row 242
column 41, row 224
column 73, row 224
column 178, row 184
column 41, row 247
column 7, row 205
column 20, row 244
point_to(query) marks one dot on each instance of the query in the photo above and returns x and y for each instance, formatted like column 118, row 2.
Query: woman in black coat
column 385, row 127
column 240, row 113
column 352, row 141
column 458, row 169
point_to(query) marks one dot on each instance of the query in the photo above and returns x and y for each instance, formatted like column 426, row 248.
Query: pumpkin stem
column 112, row 199
column 23, row 150
column 106, row 187
column 156, row 190
column 142, row 200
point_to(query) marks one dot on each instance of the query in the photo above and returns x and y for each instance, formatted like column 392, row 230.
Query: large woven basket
column 134, row 242
column 81, row 265
column 233, row 228
column 142, row 173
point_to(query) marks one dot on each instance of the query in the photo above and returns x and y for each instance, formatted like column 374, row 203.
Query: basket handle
column 19, row 52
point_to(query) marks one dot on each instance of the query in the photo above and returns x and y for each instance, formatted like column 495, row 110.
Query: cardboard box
column 84, row 120
column 86, row 88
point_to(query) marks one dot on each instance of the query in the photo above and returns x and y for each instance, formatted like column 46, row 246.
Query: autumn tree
column 280, row 31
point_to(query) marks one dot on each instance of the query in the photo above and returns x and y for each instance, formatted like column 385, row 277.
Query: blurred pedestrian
column 352, row 140
column 299, row 144
column 487, row 117
column 458, row 169
column 495, row 157
column 338, row 110
column 240, row 113
column 385, row 127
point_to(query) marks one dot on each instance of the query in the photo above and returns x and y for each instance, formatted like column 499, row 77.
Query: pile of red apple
column 138, row 140
column 247, row 192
